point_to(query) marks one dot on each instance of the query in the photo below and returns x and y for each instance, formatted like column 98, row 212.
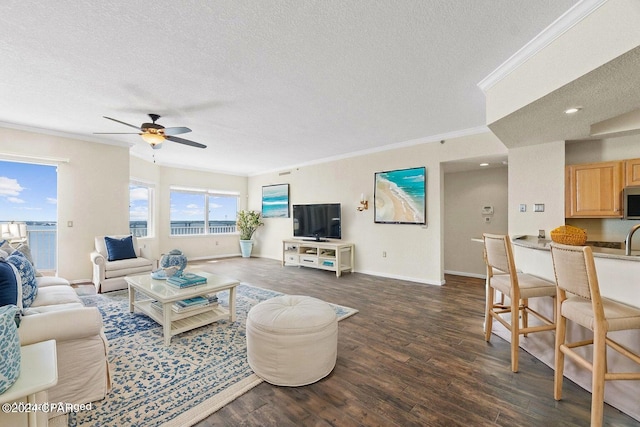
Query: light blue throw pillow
column 27, row 277
column 9, row 347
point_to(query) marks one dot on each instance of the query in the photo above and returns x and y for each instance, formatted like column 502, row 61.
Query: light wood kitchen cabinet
column 632, row 172
column 594, row 190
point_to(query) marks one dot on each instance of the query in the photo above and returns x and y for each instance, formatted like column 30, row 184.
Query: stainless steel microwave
column 631, row 202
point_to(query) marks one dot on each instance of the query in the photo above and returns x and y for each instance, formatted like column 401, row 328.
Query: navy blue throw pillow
column 118, row 249
column 8, row 285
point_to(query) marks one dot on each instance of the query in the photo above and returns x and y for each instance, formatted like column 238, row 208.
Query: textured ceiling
column 608, row 91
column 265, row 84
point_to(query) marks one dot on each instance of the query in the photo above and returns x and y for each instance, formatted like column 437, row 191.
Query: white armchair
column 109, row 275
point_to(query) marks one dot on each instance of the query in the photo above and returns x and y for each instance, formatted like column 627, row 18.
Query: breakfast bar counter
column 619, row 279
column 618, row 274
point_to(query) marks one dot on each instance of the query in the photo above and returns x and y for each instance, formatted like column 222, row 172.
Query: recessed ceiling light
column 572, row 110
column 484, row 164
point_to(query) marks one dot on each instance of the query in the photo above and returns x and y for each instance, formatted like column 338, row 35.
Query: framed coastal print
column 275, row 201
column 400, row 196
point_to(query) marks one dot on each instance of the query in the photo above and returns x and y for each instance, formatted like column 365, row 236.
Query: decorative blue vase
column 246, row 247
column 174, row 258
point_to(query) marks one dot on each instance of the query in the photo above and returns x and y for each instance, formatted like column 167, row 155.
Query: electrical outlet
column 523, row 207
column 384, row 254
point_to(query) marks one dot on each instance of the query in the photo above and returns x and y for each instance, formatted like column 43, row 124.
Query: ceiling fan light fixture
column 155, row 134
column 153, row 138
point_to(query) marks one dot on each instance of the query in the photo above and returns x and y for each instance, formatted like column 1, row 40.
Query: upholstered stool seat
column 292, row 340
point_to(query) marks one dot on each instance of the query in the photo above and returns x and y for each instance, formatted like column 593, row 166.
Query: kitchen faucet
column 627, row 241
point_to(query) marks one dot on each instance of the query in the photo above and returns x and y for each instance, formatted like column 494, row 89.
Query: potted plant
column 247, row 224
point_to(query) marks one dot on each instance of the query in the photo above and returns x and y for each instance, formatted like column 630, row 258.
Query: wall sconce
column 364, row 204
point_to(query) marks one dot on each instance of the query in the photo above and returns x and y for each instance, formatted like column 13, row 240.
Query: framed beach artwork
column 275, row 201
column 400, row 196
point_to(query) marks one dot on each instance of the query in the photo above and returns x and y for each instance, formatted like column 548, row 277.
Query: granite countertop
column 600, row 249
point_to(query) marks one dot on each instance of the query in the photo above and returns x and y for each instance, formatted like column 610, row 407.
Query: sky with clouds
column 27, row 192
column 190, row 207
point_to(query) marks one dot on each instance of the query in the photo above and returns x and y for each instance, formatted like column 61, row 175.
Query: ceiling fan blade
column 126, row 124
column 185, row 141
column 176, row 130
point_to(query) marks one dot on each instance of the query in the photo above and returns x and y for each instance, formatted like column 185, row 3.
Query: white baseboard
column 465, row 274
column 397, row 277
column 204, row 258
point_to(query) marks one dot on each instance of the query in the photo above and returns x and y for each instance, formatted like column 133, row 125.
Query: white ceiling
column 265, row 85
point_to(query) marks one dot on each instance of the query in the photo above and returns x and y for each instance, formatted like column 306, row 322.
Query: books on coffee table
column 189, row 304
column 186, row 279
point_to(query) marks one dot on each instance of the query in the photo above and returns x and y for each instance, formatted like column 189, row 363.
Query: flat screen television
column 317, row 221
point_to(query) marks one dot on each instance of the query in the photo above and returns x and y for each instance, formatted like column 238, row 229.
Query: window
column 202, row 212
column 140, row 211
column 28, row 209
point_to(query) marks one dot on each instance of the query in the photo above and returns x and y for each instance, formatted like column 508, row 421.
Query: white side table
column 38, row 372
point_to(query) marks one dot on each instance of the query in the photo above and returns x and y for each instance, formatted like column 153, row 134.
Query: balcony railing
column 42, row 244
column 188, row 231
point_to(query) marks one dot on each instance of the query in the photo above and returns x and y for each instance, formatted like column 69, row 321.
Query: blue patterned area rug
column 177, row 385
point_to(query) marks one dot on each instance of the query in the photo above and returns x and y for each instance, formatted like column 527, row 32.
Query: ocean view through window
column 201, row 212
column 28, row 195
column 140, row 209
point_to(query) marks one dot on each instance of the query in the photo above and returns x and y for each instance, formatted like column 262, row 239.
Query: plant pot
column 245, row 248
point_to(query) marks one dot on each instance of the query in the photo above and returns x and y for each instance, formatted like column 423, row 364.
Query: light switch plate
column 523, row 207
column 538, row 207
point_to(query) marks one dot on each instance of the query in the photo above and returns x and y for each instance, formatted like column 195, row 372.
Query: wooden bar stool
column 519, row 287
column 579, row 300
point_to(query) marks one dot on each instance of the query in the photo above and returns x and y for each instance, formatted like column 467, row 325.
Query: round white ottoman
column 292, row 340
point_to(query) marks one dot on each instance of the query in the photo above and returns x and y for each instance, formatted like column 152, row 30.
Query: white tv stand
column 332, row 256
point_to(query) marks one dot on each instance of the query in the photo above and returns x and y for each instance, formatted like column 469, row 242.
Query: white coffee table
column 176, row 323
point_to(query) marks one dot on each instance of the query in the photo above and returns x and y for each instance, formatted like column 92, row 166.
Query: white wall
column 536, row 175
column 92, row 191
column 603, row 150
column 465, row 193
column 414, row 252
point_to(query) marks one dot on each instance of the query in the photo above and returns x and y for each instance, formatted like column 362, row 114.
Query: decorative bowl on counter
column 569, row 235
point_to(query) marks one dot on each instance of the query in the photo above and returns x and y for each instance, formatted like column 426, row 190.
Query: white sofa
column 109, row 275
column 81, row 346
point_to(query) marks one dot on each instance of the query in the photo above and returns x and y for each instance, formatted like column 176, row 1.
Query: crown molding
column 61, row 134
column 564, row 23
column 173, row 165
column 409, row 143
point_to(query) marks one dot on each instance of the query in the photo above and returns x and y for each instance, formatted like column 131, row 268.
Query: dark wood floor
column 413, row 356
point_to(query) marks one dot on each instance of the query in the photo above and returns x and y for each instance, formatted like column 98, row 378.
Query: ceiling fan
column 155, row 134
